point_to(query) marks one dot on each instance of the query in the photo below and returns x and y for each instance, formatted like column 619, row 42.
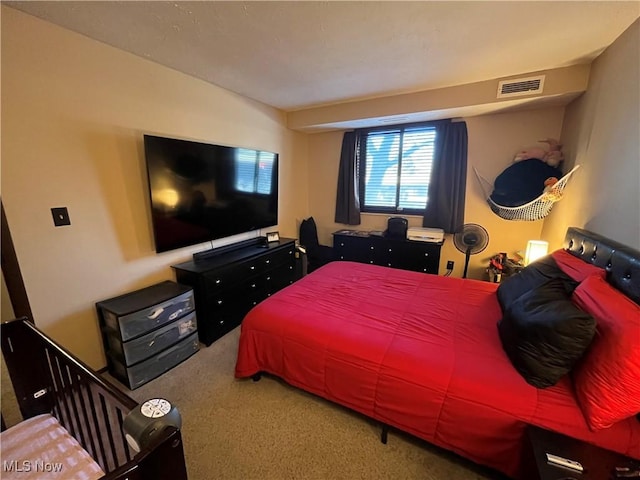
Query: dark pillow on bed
column 544, row 334
column 532, row 277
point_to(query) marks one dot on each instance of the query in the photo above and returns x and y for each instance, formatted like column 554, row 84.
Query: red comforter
column 418, row 352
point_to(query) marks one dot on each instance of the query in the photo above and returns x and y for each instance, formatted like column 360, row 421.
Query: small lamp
column 535, row 250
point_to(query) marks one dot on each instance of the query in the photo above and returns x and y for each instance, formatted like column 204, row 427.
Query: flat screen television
column 202, row 192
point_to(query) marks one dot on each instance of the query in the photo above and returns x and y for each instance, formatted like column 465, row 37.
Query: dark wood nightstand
column 597, row 463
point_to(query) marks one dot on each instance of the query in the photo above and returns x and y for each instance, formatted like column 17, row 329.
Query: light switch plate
column 60, row 216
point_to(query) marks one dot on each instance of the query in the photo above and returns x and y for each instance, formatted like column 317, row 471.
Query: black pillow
column 544, row 334
column 530, row 278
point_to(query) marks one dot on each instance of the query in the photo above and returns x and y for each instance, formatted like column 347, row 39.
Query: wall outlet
column 450, row 264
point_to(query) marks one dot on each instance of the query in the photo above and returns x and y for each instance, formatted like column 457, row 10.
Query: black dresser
column 148, row 331
column 233, row 279
column 364, row 247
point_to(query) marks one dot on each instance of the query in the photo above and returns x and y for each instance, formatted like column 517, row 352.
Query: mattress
column 418, row 352
column 40, row 448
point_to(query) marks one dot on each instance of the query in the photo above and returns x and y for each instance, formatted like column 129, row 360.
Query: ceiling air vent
column 520, row 86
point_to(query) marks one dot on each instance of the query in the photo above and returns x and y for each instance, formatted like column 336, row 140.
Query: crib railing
column 49, row 379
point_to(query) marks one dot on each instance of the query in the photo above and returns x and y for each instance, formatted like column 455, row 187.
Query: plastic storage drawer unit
column 149, row 331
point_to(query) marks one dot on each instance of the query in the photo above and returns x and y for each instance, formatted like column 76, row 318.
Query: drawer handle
column 426, row 254
column 221, row 322
column 252, row 267
column 389, row 249
column 155, row 314
column 371, row 247
column 175, row 314
column 253, row 285
column 267, row 261
column 341, row 257
column 268, row 278
column 370, row 261
column 217, row 281
column 290, row 267
column 341, row 244
column 219, row 302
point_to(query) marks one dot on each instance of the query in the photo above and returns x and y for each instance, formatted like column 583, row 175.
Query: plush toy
column 551, row 157
column 554, row 156
column 551, row 191
column 531, row 152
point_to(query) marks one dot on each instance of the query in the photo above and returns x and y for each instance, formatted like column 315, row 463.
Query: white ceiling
column 294, row 55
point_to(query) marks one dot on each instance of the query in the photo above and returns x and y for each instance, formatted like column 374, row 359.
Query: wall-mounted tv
column 202, row 192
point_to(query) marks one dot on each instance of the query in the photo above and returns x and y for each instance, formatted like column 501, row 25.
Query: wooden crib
column 47, row 379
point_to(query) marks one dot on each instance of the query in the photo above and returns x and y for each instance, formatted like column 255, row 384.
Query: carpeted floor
column 240, row 429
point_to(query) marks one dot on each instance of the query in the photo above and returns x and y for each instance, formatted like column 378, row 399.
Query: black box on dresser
column 148, row 331
column 231, row 280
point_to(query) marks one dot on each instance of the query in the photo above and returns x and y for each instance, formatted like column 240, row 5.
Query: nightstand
column 597, row 463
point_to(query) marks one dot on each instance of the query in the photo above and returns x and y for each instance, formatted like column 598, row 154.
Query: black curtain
column 347, row 197
column 445, row 208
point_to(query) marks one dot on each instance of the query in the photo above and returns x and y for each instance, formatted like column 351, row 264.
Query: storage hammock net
column 534, row 210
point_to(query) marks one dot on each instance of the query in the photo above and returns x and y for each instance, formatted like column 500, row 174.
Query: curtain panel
column 347, row 197
column 445, row 207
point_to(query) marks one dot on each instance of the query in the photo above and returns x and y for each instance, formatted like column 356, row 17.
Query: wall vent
column 520, row 86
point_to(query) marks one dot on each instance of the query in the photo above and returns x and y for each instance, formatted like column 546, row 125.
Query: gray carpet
column 240, row 429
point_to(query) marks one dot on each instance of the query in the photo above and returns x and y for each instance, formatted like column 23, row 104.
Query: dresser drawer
column 142, row 321
column 355, row 249
column 279, row 258
column 153, row 367
column 146, row 346
column 279, row 279
column 223, row 278
column 223, row 321
column 420, row 257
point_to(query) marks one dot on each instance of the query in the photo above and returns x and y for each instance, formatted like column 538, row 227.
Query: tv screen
column 201, row 192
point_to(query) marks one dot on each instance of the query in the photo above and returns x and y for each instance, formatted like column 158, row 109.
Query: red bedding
column 418, row 352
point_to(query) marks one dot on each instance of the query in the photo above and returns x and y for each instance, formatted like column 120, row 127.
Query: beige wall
column 493, row 141
column 73, row 114
column 602, row 134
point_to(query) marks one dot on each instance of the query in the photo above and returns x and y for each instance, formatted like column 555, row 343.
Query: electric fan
column 470, row 239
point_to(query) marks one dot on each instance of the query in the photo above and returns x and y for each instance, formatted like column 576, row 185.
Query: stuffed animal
column 551, row 191
column 551, row 157
column 554, row 156
column 531, row 152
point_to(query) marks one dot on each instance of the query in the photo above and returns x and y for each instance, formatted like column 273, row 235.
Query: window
column 395, row 168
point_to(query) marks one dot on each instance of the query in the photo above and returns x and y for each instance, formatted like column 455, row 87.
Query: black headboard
column 622, row 263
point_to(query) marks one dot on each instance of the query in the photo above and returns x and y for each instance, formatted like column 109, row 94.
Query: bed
column 74, row 422
column 422, row 353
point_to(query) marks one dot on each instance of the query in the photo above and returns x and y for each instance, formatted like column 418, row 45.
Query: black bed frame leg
column 256, row 377
column 384, row 434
